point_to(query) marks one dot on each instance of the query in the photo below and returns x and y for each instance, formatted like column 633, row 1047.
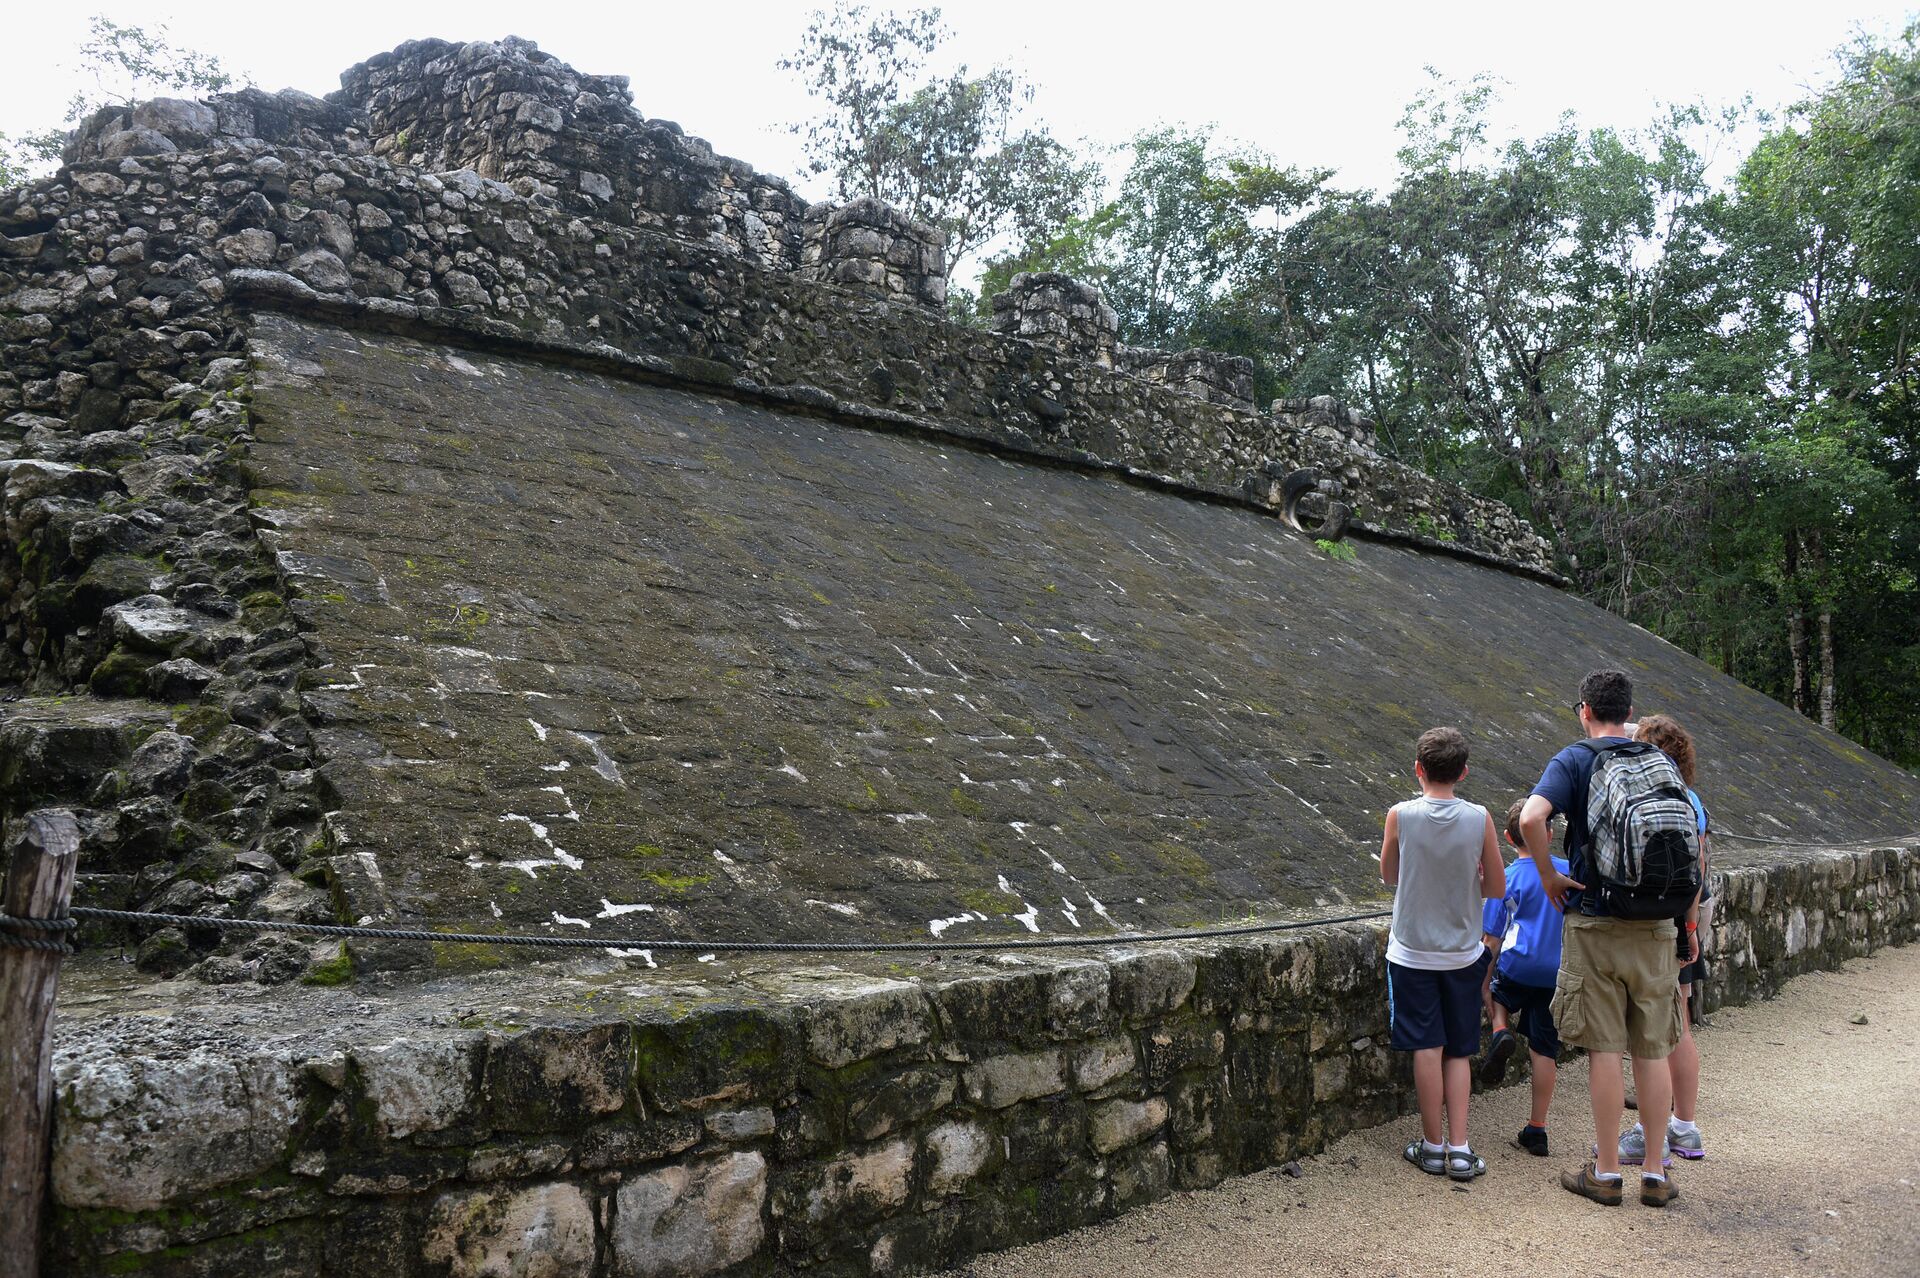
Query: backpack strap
column 1607, row 747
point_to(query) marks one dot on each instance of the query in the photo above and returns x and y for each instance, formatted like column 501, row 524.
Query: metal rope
column 737, row 947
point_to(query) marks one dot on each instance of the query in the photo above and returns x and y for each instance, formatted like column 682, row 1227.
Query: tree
column 947, row 149
column 121, row 64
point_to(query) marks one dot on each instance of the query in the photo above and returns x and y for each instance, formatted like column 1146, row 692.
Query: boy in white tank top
column 1443, row 859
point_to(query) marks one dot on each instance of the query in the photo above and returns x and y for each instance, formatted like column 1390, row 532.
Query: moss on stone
column 337, row 970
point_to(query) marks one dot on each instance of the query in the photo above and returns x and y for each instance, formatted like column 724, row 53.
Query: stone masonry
column 189, row 599
column 771, row 1120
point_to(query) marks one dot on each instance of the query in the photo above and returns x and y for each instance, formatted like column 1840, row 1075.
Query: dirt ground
column 1812, row 1129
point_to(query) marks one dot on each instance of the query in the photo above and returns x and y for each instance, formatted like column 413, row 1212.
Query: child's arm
column 1533, row 828
column 1390, row 850
column 1493, row 873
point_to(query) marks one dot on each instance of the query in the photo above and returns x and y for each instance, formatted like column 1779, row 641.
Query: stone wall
column 1058, row 312
column 1208, row 375
column 762, row 1120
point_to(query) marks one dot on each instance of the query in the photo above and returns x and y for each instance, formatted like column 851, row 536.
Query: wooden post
column 39, row 883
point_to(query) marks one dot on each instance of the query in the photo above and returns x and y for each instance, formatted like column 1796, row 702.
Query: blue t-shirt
column 1706, row 826
column 1528, row 924
column 1564, row 785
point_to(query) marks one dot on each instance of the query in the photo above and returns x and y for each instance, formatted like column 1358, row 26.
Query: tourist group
column 1598, row 949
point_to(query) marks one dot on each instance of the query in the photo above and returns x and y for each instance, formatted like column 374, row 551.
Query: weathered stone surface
column 898, row 1100
column 352, row 567
column 867, row 1183
column 692, row 1219
column 142, row 1132
column 1121, row 1122
column 889, row 1015
column 1102, row 1062
column 422, row 1085
column 1000, row 1081
column 960, row 1151
column 545, row 1231
column 559, row 1077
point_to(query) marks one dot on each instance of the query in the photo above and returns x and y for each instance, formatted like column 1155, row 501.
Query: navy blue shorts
column 1531, row 1008
column 1436, row 1009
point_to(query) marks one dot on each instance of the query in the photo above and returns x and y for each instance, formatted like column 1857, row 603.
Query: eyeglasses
column 1575, row 707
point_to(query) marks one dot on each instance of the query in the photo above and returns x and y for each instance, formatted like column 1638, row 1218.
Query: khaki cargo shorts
column 1617, row 990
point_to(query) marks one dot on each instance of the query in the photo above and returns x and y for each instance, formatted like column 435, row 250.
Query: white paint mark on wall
column 539, row 729
column 603, row 762
column 558, row 917
column 608, row 910
column 838, row 907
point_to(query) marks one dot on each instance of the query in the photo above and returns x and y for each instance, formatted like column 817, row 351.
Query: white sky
column 1320, row 84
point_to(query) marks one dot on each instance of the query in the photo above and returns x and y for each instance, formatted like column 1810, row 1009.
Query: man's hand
column 1693, row 945
column 1556, row 885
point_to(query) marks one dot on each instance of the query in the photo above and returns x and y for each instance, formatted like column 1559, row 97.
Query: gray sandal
column 1434, row 1164
column 1465, row 1165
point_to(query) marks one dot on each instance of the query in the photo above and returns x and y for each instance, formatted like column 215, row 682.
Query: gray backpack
column 1643, row 836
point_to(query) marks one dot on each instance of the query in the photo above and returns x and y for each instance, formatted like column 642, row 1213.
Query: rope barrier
column 1793, row 843
column 732, row 947
column 12, row 925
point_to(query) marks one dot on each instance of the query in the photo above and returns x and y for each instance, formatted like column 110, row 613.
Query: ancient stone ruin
column 464, row 505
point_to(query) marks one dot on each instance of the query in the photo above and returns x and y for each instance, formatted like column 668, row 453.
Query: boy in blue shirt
column 1522, row 929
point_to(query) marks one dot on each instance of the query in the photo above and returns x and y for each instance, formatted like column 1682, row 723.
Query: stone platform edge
column 825, row 1122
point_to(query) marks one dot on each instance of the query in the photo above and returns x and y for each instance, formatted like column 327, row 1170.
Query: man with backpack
column 1632, row 864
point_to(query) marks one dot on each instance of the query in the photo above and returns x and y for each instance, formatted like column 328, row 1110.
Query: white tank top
column 1436, row 908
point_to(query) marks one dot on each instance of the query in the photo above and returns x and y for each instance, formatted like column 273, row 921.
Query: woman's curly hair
column 1674, row 741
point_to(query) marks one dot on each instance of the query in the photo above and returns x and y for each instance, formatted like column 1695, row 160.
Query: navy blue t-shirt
column 1564, row 785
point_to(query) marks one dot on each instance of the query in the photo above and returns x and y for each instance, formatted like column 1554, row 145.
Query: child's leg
column 1685, row 1063
column 1458, row 1071
column 1544, row 1074
column 1429, row 1088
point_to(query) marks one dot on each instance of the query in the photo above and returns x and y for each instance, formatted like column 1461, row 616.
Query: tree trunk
column 1826, row 669
column 1797, row 626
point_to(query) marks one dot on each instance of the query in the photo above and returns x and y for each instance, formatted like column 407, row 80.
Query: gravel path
column 1812, row 1126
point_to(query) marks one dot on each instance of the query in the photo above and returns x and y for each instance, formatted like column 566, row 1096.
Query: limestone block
column 1000, row 1081
column 1119, row 1123
column 689, row 1219
column 1101, row 1062
column 741, row 1124
column 322, row 270
column 1152, row 984
column 870, row 1182
column 253, row 247
column 1141, row 1174
column 559, row 1077
column 542, row 1232
column 421, row 1085
column 878, row 1018
column 1078, row 998
column 959, row 1151
column 181, row 120
column 136, row 1132
column 898, row 1101
column 152, row 623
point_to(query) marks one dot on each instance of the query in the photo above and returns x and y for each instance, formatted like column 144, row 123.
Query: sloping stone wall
column 774, row 1120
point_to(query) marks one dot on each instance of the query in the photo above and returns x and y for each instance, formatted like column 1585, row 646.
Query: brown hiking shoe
column 1657, row 1193
column 1585, row 1184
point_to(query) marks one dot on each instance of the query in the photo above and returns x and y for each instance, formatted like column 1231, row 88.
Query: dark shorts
column 1436, row 1009
column 1531, row 1007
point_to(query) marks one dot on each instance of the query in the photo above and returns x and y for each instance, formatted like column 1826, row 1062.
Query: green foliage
column 118, row 64
column 949, row 149
column 1336, row 550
